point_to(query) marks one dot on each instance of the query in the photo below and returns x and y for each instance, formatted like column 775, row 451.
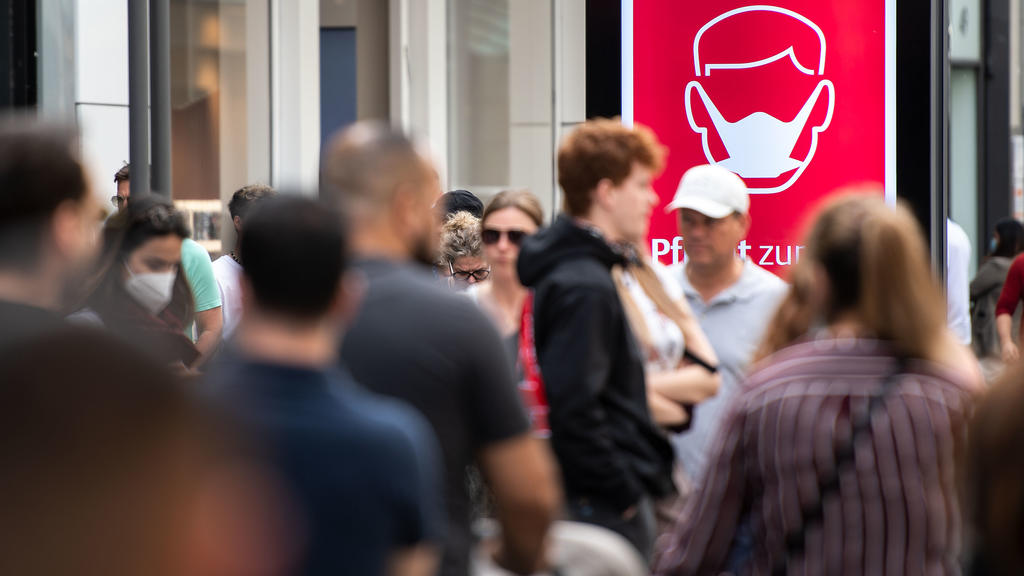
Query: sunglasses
column 491, row 236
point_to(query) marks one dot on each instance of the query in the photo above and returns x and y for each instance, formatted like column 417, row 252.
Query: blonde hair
column 875, row 263
column 522, row 200
column 460, row 237
column 649, row 282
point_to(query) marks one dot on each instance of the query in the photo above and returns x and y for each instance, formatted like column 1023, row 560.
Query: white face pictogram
column 759, row 145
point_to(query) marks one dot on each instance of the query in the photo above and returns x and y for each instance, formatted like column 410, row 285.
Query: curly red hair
column 599, row 149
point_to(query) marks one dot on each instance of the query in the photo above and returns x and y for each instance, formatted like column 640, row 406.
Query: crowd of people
column 381, row 378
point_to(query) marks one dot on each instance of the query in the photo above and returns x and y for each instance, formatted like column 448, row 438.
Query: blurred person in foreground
column 839, row 451
column 110, row 468
column 49, row 226
column 732, row 296
column 198, row 273
column 461, row 261
column 139, row 290
column 614, row 460
column 362, row 471
column 418, row 342
column 995, row 474
column 987, row 285
column 228, row 268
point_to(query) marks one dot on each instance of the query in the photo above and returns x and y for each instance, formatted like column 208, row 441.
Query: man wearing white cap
column 733, row 298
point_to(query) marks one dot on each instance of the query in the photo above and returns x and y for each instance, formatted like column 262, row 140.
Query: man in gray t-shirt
column 434, row 349
column 732, row 299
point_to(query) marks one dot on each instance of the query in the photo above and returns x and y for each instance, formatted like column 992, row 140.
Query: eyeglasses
column 118, row 201
column 491, row 236
column 478, row 275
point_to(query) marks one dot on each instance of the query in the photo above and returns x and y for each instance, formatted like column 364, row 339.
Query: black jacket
column 601, row 430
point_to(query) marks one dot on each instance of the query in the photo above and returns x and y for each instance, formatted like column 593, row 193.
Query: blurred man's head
column 49, row 221
column 295, row 254
column 712, row 208
column 606, row 170
column 243, row 201
column 387, row 187
column 102, row 477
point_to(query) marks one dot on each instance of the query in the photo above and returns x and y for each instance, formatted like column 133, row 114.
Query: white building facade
column 258, row 85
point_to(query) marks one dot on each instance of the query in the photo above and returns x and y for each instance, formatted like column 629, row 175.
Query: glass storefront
column 209, row 122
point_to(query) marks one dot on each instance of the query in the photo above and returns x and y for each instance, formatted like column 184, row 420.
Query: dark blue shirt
column 362, row 471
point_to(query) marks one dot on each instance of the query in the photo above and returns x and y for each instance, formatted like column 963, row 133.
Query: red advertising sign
column 796, row 97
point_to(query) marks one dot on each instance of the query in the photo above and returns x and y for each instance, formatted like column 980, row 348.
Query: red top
column 532, row 384
column 1013, row 288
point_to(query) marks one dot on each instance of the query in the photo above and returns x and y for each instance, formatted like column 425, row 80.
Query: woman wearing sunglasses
column 510, row 217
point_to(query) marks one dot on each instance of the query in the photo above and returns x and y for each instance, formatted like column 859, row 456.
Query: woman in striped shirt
column 839, row 455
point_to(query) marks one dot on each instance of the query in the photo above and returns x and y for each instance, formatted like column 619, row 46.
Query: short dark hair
column 294, row 252
column 147, row 216
column 39, row 171
column 461, row 201
column 243, row 199
column 1011, row 238
column 124, row 174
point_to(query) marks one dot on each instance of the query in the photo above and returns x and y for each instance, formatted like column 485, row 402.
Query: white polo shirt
column 734, row 321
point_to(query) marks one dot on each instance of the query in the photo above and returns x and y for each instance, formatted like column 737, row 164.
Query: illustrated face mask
column 152, row 290
column 760, row 145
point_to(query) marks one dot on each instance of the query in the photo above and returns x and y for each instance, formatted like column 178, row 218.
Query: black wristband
column 699, row 361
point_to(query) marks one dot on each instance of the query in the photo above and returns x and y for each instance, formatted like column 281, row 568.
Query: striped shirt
column 896, row 508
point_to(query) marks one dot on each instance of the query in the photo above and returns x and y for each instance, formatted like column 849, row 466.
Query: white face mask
column 152, row 290
column 760, row 145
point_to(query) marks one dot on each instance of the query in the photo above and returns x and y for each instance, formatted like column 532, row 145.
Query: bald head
column 368, row 163
column 387, row 187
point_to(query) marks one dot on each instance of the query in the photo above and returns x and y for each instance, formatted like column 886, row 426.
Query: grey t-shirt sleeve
column 496, row 404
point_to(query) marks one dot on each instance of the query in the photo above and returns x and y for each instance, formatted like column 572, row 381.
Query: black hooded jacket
column 601, row 430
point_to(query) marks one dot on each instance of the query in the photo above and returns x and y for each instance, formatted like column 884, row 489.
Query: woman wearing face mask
column 988, row 284
column 138, row 291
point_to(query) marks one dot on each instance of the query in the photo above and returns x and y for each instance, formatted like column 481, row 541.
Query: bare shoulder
column 959, row 359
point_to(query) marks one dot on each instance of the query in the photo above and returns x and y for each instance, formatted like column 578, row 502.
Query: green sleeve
column 195, row 260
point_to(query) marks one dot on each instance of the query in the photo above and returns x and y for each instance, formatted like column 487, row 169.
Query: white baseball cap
column 711, row 190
